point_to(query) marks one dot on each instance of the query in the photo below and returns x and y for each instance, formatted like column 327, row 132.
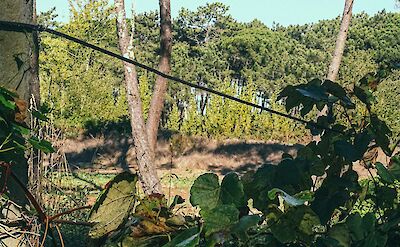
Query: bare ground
column 112, row 154
column 192, row 157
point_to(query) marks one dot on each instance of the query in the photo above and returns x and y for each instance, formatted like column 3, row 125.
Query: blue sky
column 284, row 12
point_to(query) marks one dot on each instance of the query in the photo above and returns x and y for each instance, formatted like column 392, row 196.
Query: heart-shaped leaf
column 113, row 206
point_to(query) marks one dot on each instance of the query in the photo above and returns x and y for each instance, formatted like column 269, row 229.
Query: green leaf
column 354, row 224
column 296, row 224
column 8, row 93
column 188, row 238
column 369, row 222
column 332, row 194
column 364, row 96
column 7, row 103
column 339, row 92
column 382, row 133
column 346, row 150
column 361, row 142
column 232, row 191
column 384, row 173
column 42, row 145
column 385, row 196
column 205, row 191
column 39, row 115
column 257, row 185
column 244, row 224
column 219, row 218
column 113, row 206
column 315, row 93
column 340, row 232
column 394, row 166
column 292, row 201
column 21, row 129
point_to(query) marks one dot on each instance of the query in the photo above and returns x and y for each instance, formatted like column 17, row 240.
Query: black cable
column 16, row 26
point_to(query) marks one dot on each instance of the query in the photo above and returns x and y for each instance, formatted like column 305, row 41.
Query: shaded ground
column 112, row 153
column 94, row 161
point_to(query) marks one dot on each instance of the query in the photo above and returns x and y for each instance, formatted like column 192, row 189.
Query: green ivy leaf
column 339, row 92
column 113, row 206
column 232, row 191
column 346, row 150
column 256, row 185
column 364, row 96
column 382, row 133
column 354, row 223
column 340, row 232
column 292, row 201
column 205, row 191
column 244, row 224
column 384, row 173
column 219, row 218
column 394, row 166
column 188, row 238
column 296, row 224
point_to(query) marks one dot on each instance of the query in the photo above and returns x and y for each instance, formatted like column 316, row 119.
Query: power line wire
column 17, row 26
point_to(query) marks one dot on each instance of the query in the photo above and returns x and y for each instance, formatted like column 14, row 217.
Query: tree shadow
column 75, row 175
column 266, row 152
column 242, row 169
column 107, row 144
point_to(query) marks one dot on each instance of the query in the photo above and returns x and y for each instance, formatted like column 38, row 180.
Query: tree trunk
column 34, row 160
column 16, row 56
column 34, row 86
column 340, row 41
column 15, row 66
column 160, row 87
column 144, row 154
column 337, row 56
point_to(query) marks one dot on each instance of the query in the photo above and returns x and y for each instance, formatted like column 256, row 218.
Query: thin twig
column 59, row 235
column 51, row 218
column 73, row 222
column 45, row 233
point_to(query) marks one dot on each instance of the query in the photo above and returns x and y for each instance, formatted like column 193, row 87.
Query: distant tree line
column 249, row 60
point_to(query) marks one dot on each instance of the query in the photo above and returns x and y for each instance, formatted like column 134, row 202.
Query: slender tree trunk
column 337, row 56
column 160, row 87
column 34, row 89
column 144, row 155
column 340, row 41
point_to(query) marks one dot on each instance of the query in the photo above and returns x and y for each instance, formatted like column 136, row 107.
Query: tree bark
column 161, row 84
column 337, row 56
column 34, row 87
column 16, row 54
column 144, row 154
column 333, row 70
column 16, row 57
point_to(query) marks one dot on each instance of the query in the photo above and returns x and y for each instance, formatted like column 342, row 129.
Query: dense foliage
column 314, row 199
column 249, row 60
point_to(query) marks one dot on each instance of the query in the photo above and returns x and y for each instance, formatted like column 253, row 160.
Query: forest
column 101, row 150
column 248, row 60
